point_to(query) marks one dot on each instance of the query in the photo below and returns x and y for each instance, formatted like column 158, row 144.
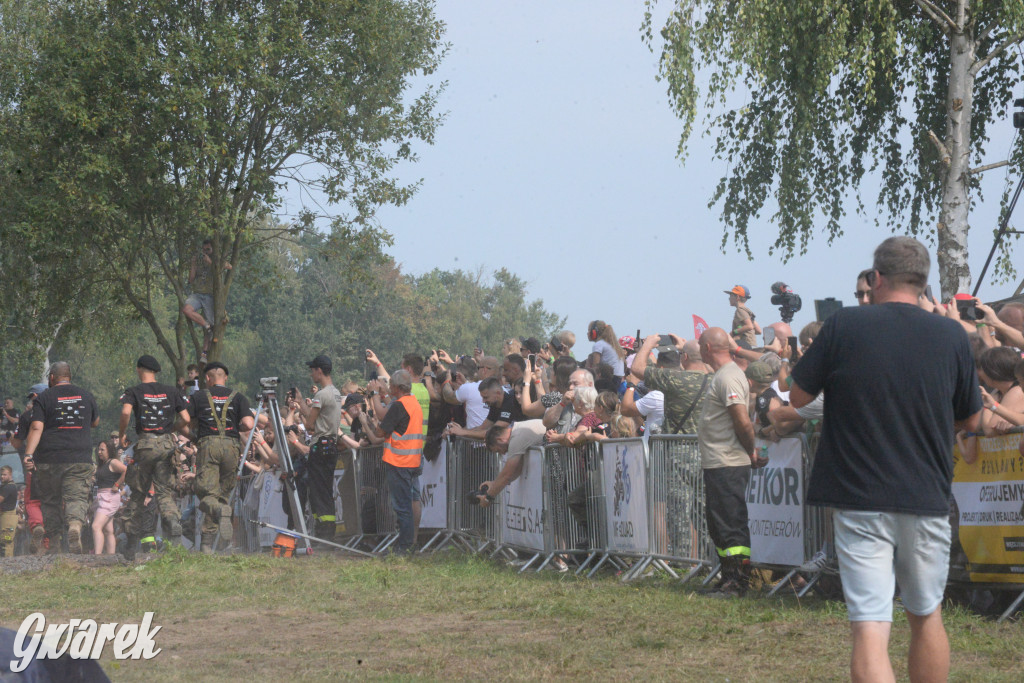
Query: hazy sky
column 557, row 161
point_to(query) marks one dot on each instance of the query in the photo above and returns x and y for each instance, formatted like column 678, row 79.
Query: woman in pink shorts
column 109, row 477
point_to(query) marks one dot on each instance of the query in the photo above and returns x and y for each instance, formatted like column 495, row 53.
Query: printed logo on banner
column 621, row 482
column 775, row 506
column 434, row 491
column 626, row 502
column 522, row 505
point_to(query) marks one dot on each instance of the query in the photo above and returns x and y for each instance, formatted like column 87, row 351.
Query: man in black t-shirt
column 501, row 407
column 8, row 510
column 59, row 450
column 897, row 380
column 9, row 415
column 33, row 512
column 160, row 411
column 218, row 417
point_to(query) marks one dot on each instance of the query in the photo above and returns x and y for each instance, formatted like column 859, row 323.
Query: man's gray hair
column 903, row 260
column 586, row 376
column 402, row 379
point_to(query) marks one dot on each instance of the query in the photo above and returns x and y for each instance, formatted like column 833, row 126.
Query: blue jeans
column 400, row 481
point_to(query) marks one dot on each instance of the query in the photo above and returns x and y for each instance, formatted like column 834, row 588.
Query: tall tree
column 133, row 129
column 838, row 89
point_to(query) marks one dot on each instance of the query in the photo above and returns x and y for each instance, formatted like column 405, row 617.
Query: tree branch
column 988, row 167
column 941, row 18
column 943, row 150
column 996, row 51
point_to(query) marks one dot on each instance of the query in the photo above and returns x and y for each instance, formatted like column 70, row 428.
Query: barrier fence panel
column 620, row 480
column 348, row 520
column 434, row 497
column 376, row 516
column 677, row 521
column 470, row 464
column 569, row 532
column 521, row 514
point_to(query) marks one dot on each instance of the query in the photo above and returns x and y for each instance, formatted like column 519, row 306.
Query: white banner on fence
column 270, row 489
column 523, row 505
column 775, row 505
column 625, row 494
column 434, row 491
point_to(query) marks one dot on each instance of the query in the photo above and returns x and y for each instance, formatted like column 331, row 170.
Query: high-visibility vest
column 422, row 396
column 404, row 450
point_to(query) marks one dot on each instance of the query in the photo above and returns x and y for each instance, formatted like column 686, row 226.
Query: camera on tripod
column 787, row 300
column 269, row 382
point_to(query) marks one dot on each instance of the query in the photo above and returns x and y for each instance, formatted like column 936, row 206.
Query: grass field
column 246, row 617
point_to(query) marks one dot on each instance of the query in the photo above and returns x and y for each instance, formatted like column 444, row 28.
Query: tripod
column 268, row 397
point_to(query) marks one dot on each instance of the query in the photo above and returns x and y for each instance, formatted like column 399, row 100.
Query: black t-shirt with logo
column 9, row 492
column 504, row 412
column 202, row 415
column 67, row 413
column 155, row 407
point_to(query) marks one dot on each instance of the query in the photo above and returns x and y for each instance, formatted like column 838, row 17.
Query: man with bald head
column 58, row 450
column 682, row 386
column 727, row 453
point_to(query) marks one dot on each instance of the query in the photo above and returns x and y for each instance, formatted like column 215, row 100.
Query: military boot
column 224, row 526
column 75, row 537
column 206, row 542
column 37, row 545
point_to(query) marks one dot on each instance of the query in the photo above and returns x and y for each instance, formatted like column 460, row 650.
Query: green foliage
column 832, row 92
column 129, row 131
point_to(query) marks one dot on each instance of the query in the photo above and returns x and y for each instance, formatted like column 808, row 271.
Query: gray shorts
column 878, row 549
column 201, row 303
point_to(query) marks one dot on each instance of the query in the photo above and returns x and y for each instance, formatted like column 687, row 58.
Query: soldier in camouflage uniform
column 683, row 388
column 160, row 410
column 219, row 415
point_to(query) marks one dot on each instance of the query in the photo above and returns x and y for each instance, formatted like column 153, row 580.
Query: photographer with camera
column 321, row 417
column 160, row 410
column 218, row 416
column 512, row 442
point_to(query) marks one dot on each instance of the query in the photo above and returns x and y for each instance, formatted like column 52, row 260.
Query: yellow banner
column 989, row 504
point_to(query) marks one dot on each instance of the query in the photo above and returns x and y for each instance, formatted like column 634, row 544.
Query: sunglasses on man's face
column 858, row 295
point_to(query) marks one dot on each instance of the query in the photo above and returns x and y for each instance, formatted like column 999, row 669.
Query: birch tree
column 839, row 92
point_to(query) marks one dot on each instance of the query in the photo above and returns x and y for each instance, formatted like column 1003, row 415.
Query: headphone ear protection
column 592, row 334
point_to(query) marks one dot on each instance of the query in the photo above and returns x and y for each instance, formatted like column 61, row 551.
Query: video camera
column 787, row 300
column 269, row 383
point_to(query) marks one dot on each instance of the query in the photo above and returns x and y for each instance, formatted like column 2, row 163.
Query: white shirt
column 476, row 409
column 652, row 406
column 815, row 410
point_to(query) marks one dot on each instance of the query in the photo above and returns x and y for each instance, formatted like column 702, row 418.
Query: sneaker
column 816, row 564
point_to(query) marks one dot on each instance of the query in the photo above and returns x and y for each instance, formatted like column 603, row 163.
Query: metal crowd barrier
column 572, row 514
column 470, row 527
column 677, row 521
column 376, row 517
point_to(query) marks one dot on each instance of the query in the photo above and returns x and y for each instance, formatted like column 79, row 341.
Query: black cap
column 216, row 365
column 322, row 362
column 147, row 362
column 668, row 354
column 353, row 399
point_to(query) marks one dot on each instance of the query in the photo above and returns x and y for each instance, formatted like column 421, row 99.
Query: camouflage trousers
column 153, row 469
column 63, row 492
column 8, row 527
column 216, row 475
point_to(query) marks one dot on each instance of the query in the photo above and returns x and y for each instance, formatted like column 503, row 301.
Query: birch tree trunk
column 953, row 226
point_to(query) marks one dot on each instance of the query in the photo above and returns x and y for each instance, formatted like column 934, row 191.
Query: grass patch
column 453, row 616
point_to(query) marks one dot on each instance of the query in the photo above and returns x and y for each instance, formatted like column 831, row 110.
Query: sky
column 557, row 160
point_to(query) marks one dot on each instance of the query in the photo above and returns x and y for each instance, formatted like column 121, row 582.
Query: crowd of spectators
column 616, row 387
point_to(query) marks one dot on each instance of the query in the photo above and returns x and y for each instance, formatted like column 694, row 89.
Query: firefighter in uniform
column 322, row 417
column 160, row 410
column 219, row 415
column 402, row 426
